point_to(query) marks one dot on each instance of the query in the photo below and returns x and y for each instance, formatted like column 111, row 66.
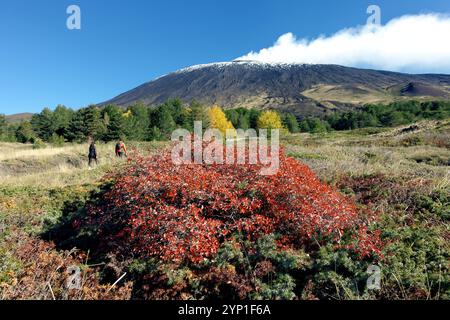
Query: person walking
column 92, row 154
column 121, row 150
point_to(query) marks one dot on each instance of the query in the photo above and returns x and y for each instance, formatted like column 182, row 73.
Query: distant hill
column 304, row 89
column 19, row 117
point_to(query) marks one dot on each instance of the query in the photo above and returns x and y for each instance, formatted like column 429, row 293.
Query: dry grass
column 21, row 165
column 336, row 155
column 14, row 151
column 10, row 151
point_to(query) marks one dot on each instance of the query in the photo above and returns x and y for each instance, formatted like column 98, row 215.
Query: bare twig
column 117, row 281
column 51, row 290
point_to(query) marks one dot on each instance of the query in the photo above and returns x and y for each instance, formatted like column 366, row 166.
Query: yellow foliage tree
column 269, row 120
column 128, row 114
column 218, row 120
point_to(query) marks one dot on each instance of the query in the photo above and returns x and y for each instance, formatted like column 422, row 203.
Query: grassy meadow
column 403, row 173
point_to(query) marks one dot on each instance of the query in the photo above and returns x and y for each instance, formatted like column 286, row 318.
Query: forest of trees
column 136, row 123
column 378, row 115
column 140, row 123
column 391, row 115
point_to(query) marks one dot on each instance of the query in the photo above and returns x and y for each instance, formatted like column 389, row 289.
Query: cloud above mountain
column 413, row 43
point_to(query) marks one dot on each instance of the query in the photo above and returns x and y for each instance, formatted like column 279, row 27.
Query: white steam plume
column 413, row 43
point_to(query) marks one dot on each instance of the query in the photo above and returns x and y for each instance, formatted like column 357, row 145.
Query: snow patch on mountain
column 245, row 63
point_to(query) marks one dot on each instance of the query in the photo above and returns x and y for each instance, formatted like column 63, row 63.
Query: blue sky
column 123, row 44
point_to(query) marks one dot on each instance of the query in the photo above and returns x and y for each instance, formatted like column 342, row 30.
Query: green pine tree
column 197, row 113
column 114, row 122
column 155, row 134
column 177, row 111
column 233, row 115
column 290, row 122
column 3, row 126
column 137, row 123
column 42, row 124
column 76, row 131
column 253, row 117
column 93, row 122
column 164, row 121
column 61, row 119
column 25, row 133
column 243, row 122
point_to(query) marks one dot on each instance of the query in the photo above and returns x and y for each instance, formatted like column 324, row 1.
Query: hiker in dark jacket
column 92, row 153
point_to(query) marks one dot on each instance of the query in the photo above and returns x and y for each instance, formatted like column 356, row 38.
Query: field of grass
column 402, row 174
column 421, row 154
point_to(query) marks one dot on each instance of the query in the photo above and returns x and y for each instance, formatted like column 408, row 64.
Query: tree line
column 141, row 123
column 378, row 115
column 135, row 123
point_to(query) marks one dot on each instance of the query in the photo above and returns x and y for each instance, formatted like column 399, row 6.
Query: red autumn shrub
column 184, row 212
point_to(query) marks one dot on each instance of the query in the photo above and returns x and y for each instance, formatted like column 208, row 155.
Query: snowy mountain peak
column 302, row 89
column 244, row 63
